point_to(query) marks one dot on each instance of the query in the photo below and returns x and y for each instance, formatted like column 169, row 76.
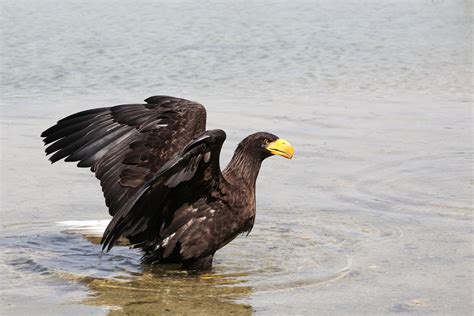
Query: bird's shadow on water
column 118, row 282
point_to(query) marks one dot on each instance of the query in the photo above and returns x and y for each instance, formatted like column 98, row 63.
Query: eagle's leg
column 199, row 264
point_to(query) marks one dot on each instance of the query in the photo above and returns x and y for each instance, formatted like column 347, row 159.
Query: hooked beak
column 282, row 148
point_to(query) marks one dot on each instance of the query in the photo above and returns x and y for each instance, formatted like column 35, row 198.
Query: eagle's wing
column 126, row 145
column 183, row 180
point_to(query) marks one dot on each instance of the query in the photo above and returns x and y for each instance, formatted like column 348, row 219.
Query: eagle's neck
column 243, row 166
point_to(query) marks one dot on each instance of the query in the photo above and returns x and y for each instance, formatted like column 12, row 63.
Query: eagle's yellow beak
column 281, row 147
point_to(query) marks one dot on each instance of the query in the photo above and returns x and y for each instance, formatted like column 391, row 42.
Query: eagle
column 159, row 171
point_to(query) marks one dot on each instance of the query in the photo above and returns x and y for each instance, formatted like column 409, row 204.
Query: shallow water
column 372, row 216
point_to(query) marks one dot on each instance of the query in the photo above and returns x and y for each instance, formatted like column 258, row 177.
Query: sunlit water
column 374, row 213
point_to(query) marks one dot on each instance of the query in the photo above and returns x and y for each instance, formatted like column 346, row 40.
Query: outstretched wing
column 126, row 145
column 182, row 180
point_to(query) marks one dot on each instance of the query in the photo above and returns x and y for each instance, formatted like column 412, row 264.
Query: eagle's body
column 160, row 174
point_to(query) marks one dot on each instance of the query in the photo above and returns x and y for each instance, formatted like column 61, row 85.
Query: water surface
column 372, row 216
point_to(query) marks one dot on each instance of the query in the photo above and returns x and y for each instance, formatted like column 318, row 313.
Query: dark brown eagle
column 160, row 174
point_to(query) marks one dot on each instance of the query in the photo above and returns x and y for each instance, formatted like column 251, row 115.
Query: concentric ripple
column 274, row 257
column 423, row 184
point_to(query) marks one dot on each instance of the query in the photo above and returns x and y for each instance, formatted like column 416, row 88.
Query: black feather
column 83, row 113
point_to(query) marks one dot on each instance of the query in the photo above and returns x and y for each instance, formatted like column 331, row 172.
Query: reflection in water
column 159, row 291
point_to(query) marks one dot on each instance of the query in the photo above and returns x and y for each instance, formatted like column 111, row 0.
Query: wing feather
column 126, row 144
column 67, row 145
column 140, row 218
